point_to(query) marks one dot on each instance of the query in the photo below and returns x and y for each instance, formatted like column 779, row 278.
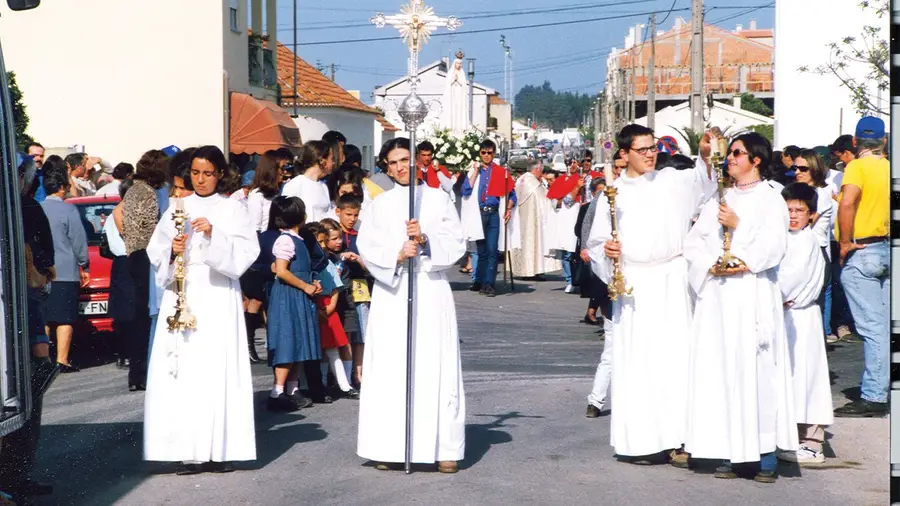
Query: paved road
column 528, row 366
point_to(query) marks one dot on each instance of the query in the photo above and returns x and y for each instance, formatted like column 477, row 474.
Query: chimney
column 752, row 24
column 739, row 28
column 737, row 101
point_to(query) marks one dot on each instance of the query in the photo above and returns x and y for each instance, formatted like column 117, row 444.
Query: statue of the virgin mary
column 456, row 97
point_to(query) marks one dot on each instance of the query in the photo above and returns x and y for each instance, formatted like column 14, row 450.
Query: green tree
column 552, row 108
column 749, row 102
column 767, row 131
column 20, row 116
column 870, row 52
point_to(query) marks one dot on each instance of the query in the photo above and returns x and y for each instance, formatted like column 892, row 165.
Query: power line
column 486, row 30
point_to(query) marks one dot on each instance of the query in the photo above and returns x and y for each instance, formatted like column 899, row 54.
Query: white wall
column 431, row 88
column 357, row 126
column 810, row 109
column 119, row 77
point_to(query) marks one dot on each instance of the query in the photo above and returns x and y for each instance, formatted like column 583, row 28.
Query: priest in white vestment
column 533, row 257
column 651, row 326
column 198, row 409
column 740, row 400
column 801, row 277
column 438, row 398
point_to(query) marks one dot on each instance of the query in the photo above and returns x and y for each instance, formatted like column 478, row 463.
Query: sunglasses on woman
column 799, row 168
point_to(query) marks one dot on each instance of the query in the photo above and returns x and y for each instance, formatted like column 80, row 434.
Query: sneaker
column 281, row 404
column 862, row 409
column 804, row 455
column 831, row 339
column 488, row 291
column 843, row 331
column 592, row 411
column 476, row 287
column 570, row 289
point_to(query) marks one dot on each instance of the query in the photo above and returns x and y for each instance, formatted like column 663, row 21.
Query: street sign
column 607, row 144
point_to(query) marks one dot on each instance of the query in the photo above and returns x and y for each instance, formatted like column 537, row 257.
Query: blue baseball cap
column 171, row 151
column 870, row 127
column 247, row 178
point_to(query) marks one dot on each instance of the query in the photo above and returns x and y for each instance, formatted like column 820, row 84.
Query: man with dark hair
column 429, row 170
column 79, row 165
column 864, row 216
column 333, row 137
column 36, row 151
column 650, row 248
column 120, row 172
column 495, row 188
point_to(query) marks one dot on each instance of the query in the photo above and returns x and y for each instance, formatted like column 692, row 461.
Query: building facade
column 148, row 75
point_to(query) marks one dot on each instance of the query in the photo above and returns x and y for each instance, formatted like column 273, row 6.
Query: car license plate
column 96, row 307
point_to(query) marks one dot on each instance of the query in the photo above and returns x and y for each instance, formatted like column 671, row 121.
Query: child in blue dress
column 292, row 326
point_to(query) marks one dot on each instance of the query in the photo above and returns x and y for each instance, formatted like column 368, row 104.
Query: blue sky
column 571, row 56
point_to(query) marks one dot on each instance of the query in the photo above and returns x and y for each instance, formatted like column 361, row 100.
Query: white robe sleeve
column 760, row 238
column 446, row 243
column 377, row 246
column 801, row 274
column 703, row 185
column 233, row 245
column 696, row 250
column 825, row 223
column 159, row 250
column 601, row 231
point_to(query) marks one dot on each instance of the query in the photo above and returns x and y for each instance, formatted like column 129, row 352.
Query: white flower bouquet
column 453, row 152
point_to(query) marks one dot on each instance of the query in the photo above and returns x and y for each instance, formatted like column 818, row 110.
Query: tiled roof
column 388, row 126
column 497, row 100
column 313, row 88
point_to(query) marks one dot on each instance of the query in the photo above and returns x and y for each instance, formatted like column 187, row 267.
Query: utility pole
column 623, row 100
column 651, row 79
column 471, row 62
column 697, row 76
column 332, row 72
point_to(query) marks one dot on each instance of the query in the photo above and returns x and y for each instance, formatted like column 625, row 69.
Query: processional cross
column 415, row 22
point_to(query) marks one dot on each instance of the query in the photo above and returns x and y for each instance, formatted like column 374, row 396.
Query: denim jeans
column 839, row 312
column 867, row 284
column 474, row 266
column 566, row 258
column 486, row 269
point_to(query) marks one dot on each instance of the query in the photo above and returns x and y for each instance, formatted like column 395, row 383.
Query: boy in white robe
column 652, row 325
column 801, row 276
column 386, row 241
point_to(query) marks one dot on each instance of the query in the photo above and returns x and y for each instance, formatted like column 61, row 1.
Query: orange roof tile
column 313, row 88
column 387, row 125
column 497, row 100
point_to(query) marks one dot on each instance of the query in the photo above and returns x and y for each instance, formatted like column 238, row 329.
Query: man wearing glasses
column 654, row 209
column 495, row 188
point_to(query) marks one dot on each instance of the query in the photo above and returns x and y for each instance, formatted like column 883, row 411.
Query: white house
column 432, row 84
column 810, row 109
column 121, row 77
column 674, row 118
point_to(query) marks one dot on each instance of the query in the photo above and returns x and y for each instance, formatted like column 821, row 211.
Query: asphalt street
column 528, row 365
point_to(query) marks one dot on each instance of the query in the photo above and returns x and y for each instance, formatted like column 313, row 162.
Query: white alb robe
column 199, row 401
column 438, row 397
column 801, row 277
column 651, row 327
column 740, row 402
column 533, row 209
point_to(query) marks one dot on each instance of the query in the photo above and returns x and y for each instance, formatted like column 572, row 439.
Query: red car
column 93, row 303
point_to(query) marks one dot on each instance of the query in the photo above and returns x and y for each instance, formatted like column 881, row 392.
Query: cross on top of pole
column 415, row 22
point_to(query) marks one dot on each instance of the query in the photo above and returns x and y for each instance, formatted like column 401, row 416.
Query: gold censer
column 182, row 320
column 617, row 286
column 727, row 262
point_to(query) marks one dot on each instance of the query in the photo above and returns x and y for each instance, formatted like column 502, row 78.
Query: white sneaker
column 570, row 289
column 831, row 339
column 804, row 455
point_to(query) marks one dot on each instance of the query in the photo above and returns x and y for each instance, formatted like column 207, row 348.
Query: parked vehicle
column 518, row 159
column 93, row 302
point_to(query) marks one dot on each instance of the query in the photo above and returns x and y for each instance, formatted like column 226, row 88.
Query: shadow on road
column 481, row 437
column 276, row 433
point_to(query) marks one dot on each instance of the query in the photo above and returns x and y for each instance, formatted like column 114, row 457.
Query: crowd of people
column 712, row 360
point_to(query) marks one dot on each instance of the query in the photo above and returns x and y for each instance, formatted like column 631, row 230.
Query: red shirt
column 430, row 176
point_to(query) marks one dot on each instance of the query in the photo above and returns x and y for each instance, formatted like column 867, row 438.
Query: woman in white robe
column 740, row 404
column 801, row 277
column 438, row 398
column 198, row 409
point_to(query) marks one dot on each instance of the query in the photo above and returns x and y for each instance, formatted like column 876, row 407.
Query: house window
column 233, row 16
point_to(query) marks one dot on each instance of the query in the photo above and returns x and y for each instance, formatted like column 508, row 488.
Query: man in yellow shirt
column 863, row 221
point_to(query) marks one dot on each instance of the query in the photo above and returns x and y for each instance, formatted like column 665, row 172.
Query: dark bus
column 15, row 352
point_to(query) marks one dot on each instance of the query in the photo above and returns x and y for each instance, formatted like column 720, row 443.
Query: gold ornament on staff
column 182, row 320
column 617, row 286
column 727, row 262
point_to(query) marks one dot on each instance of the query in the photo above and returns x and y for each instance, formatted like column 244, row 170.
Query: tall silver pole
column 296, row 112
column 416, row 22
column 471, row 91
column 697, row 77
column 651, row 81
